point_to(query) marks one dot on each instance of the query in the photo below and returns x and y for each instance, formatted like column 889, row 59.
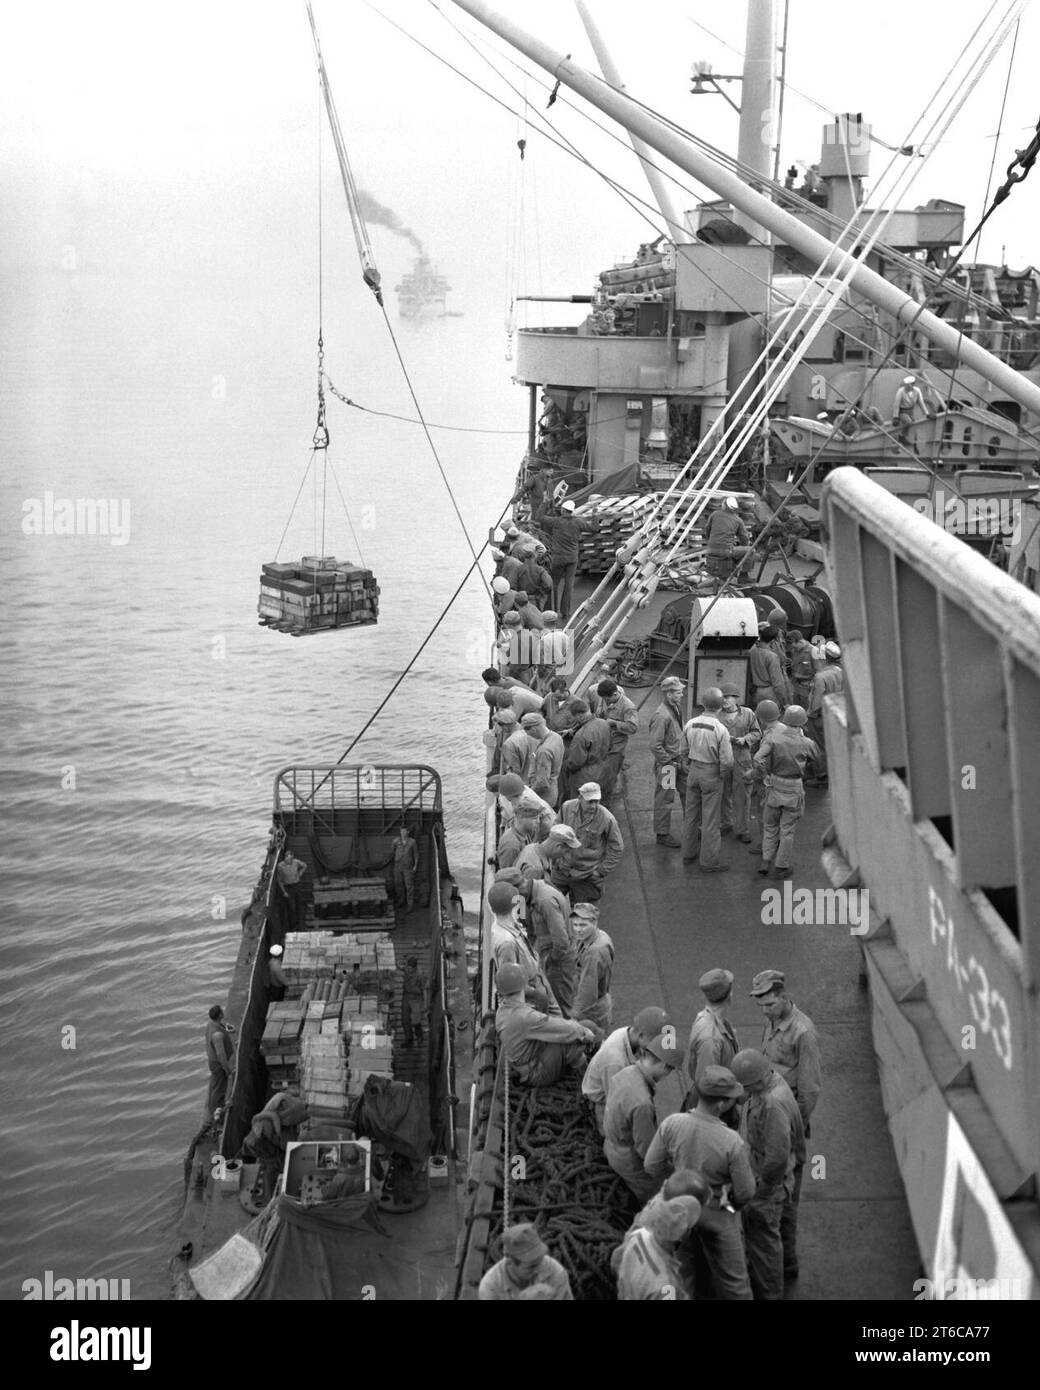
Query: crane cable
column 371, row 275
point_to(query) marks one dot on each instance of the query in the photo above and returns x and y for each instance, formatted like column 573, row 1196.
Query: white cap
column 731, row 503
column 275, row 951
column 568, row 506
column 823, row 415
column 591, row 791
column 832, row 649
column 500, row 584
column 909, row 380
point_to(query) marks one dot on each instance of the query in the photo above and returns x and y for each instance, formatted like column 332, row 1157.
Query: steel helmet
column 656, row 1047
column 795, row 716
column 501, row 897
column 510, row 979
column 750, row 1067
column 512, row 784
column 767, row 709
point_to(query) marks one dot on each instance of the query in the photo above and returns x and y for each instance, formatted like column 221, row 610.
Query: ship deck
column 670, row 923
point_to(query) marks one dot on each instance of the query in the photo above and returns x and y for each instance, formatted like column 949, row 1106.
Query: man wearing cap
column 712, row 1039
column 526, row 1271
column 768, row 681
column 829, row 680
column 782, row 760
column 666, row 747
column 554, row 651
column 710, row 756
column 517, row 755
column 767, row 712
column 702, row 1140
column 277, row 981
column 630, row 1121
column 587, row 758
column 547, row 754
column 727, row 536
column 594, row 967
column 622, row 719
column 509, row 944
column 549, row 922
column 619, row 1050
column 908, row 401
column 538, row 858
column 582, row 872
column 540, row 1047
column 789, row 1041
column 744, row 737
column 564, row 533
column 776, row 1143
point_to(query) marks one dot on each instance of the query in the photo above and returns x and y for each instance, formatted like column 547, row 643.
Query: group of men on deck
column 734, row 1149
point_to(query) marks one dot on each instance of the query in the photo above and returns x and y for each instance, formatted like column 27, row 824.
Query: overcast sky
column 212, row 106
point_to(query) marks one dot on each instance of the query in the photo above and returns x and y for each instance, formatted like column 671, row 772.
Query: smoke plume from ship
column 373, row 211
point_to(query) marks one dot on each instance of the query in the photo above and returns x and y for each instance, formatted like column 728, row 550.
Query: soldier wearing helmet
column 540, row 1047
column 782, row 760
column 776, row 1143
column 630, row 1121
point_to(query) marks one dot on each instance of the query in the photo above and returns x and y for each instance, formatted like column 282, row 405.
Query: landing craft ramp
column 934, row 751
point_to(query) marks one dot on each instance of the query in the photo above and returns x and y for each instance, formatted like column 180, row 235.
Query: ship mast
column 662, row 197
column 782, row 224
column 758, row 100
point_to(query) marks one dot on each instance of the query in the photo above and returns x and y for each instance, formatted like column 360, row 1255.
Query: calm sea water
column 138, row 673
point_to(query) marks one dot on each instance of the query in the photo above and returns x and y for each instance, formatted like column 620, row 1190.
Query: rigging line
column 411, row 419
column 1000, row 128
column 419, row 651
column 783, row 90
column 784, row 195
column 350, row 523
column 618, row 187
column 296, row 499
column 429, row 440
column 837, row 282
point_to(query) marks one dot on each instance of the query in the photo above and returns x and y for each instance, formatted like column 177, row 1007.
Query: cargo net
column 317, row 595
column 580, row 1206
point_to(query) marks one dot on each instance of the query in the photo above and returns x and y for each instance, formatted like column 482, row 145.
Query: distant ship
column 421, row 294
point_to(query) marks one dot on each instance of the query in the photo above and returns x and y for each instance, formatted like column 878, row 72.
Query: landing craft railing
column 934, row 755
column 324, row 788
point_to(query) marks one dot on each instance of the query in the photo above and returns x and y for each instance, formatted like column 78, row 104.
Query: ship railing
column 933, row 753
column 323, row 789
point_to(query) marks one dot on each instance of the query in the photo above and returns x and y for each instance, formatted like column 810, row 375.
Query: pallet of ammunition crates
column 316, row 595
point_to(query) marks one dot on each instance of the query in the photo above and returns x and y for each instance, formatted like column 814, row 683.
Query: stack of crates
column 280, row 1044
column 316, row 595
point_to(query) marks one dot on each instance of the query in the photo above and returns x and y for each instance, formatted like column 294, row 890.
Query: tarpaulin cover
column 332, row 1251
column 394, row 1113
column 625, row 482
